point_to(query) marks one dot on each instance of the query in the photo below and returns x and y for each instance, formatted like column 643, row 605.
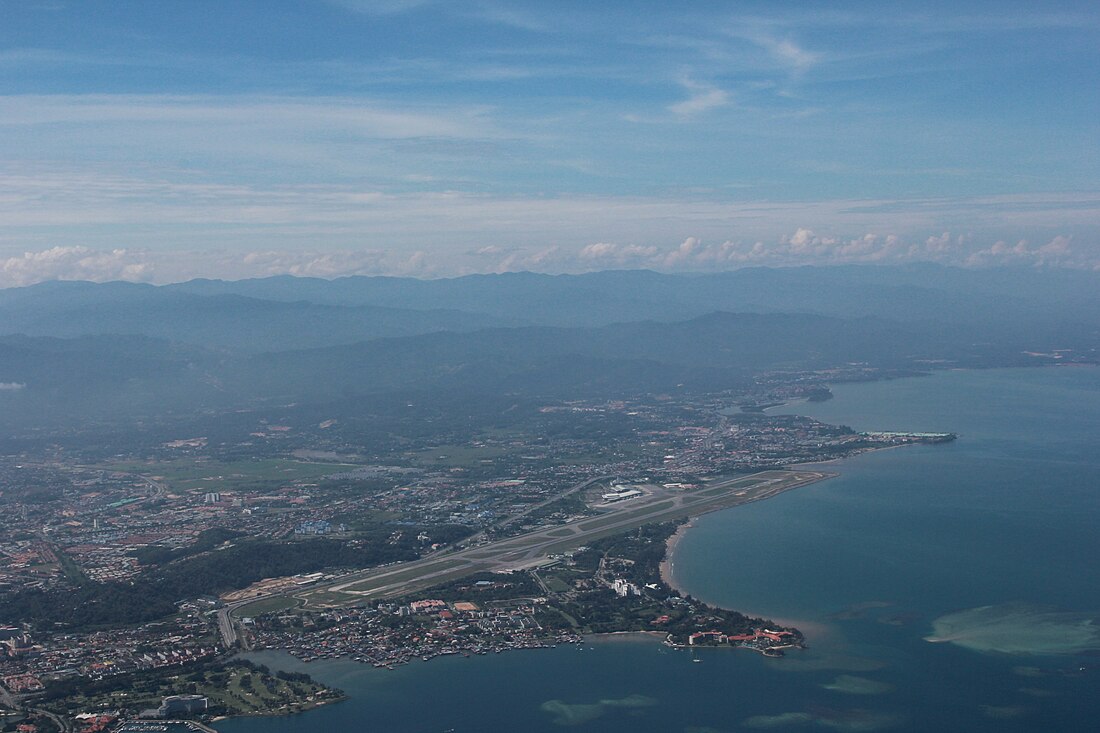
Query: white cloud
column 1057, row 247
column 510, row 16
column 489, row 250
column 12, row 386
column 157, row 225
column 703, row 98
column 804, row 246
column 607, row 254
column 264, row 114
column 82, row 263
column 74, row 263
column 791, row 53
column 381, row 7
column 783, row 50
column 1056, row 252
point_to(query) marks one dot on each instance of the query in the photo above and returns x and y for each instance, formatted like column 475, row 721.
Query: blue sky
column 163, row 140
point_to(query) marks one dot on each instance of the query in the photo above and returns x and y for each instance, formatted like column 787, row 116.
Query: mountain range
column 77, row 351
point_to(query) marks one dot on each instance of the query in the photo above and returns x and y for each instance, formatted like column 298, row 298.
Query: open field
column 265, row 605
column 467, row 456
column 457, row 456
column 191, row 475
column 535, row 547
column 234, row 690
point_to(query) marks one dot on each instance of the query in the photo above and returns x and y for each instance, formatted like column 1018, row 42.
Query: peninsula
column 612, row 585
column 143, row 575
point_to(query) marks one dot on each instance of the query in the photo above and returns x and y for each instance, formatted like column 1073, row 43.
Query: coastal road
column 534, row 548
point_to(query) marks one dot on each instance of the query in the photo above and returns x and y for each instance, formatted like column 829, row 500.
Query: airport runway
column 534, row 548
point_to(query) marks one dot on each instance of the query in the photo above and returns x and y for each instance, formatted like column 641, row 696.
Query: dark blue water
column 865, row 563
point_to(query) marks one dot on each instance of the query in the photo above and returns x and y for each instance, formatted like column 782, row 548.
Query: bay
column 902, row 546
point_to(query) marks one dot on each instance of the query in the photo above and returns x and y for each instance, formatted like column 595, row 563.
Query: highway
column 226, row 626
column 6, row 698
column 519, row 515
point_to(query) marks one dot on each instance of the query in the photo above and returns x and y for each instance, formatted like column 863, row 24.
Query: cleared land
column 265, row 605
column 189, row 475
column 533, row 548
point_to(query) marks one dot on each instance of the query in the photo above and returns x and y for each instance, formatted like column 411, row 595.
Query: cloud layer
column 801, row 247
column 520, row 137
column 139, row 225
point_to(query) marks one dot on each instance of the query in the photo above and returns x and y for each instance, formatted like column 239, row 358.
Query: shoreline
column 666, row 568
column 853, row 454
column 279, row 714
column 618, row 637
column 666, row 565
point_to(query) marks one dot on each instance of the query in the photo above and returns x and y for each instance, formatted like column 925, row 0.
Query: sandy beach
column 666, row 566
column 668, row 576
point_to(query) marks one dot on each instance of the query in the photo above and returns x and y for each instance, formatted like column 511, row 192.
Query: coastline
column 668, row 577
column 795, row 683
column 618, row 637
column 665, row 566
column 853, row 454
column 307, row 707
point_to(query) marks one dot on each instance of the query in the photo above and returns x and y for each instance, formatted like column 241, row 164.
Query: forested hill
column 79, row 354
column 908, row 293
column 288, row 313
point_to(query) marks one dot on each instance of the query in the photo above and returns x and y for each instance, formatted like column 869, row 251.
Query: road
column 6, row 698
column 519, row 515
column 64, row 724
column 12, row 701
column 225, row 624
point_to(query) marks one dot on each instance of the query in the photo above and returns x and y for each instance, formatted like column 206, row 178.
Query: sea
column 950, row 587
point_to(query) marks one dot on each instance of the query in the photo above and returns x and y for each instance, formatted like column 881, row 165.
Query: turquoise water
column 988, row 543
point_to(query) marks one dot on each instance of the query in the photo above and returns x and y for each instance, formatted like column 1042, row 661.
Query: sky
column 159, row 141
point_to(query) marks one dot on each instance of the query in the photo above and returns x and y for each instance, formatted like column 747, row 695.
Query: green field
column 457, row 456
column 469, row 456
column 232, row 690
column 205, row 475
column 556, row 584
column 266, row 605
